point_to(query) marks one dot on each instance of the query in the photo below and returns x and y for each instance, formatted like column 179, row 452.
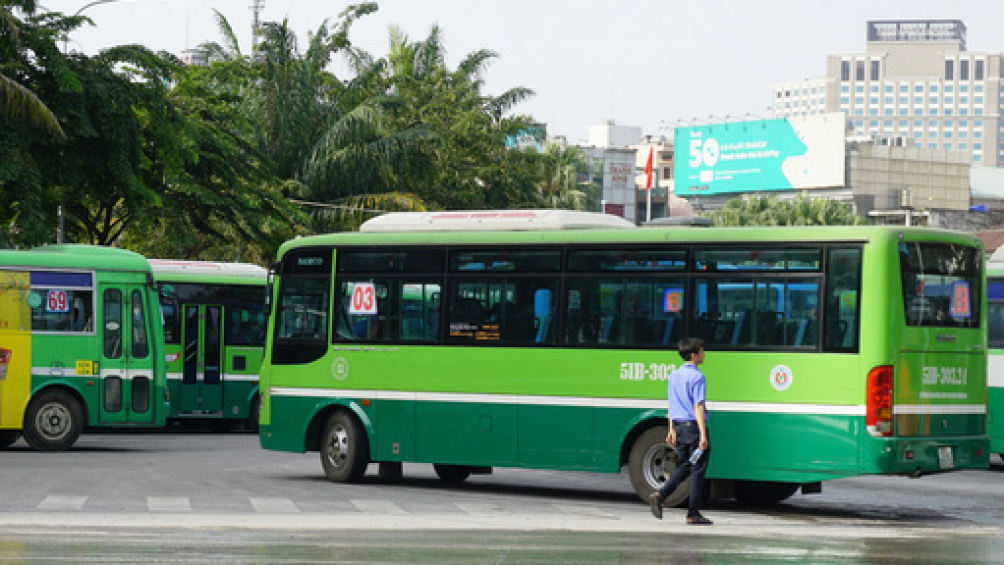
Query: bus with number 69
column 80, row 344
column 544, row 339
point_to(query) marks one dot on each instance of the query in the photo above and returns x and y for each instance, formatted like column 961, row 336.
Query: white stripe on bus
column 226, row 377
column 939, row 409
column 633, row 403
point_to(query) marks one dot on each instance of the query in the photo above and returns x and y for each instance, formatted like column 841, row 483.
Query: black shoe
column 655, row 503
column 698, row 520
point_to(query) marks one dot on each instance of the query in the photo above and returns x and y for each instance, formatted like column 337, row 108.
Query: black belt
column 685, row 422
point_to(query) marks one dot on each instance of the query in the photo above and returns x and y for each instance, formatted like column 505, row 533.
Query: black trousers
column 688, row 438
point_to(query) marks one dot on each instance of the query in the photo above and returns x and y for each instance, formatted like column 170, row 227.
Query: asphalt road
column 204, row 497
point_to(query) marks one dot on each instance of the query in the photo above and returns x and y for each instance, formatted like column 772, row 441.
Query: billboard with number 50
column 783, row 154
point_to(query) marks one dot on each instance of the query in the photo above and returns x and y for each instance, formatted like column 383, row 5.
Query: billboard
column 783, row 154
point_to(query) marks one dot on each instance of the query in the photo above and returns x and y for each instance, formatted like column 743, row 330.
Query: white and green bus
column 80, row 344
column 995, row 339
column 214, row 331
column 544, row 339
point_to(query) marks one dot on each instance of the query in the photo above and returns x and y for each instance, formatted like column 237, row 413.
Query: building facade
column 916, row 84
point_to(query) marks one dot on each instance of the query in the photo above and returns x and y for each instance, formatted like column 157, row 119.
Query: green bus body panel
column 568, row 408
column 995, row 419
column 240, row 387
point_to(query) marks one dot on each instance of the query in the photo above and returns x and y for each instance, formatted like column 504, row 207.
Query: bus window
column 113, row 323
column 512, row 311
column 246, row 325
column 941, row 284
column 995, row 316
column 140, row 347
column 364, row 311
column 630, row 312
column 303, row 312
column 61, row 310
column 843, row 281
column 770, row 312
column 419, row 311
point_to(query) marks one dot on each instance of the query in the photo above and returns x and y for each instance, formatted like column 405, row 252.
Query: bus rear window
column 941, row 284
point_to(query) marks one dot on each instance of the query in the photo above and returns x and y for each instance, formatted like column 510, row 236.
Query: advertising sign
column 785, row 154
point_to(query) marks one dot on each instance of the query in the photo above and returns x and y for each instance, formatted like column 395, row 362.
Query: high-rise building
column 916, row 84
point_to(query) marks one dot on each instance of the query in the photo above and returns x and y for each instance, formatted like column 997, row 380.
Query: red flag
column 648, row 169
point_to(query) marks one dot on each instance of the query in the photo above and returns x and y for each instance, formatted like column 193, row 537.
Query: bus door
column 126, row 366
column 201, row 336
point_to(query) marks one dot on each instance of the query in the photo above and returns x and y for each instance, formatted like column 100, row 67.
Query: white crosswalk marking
column 378, row 507
column 476, row 508
column 274, row 506
column 55, row 502
column 168, row 504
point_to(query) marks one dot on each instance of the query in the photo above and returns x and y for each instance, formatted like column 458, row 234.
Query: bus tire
column 344, row 449
column 8, row 438
column 651, row 463
column 53, row 421
column 452, row 473
column 763, row 492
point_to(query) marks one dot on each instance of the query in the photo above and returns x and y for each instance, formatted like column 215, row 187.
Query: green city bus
column 71, row 354
column 995, row 361
column 544, row 339
column 214, row 331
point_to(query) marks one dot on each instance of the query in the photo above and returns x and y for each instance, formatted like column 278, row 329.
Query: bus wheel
column 452, row 473
column 651, row 463
column 53, row 421
column 8, row 438
column 344, row 449
column 763, row 492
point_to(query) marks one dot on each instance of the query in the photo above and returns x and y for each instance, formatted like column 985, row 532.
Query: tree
column 474, row 168
column 562, row 167
column 16, row 58
column 326, row 137
column 757, row 210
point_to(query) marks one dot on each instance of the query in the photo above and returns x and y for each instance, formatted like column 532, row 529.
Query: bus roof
column 76, row 256
column 745, row 235
column 208, row 271
column 492, row 220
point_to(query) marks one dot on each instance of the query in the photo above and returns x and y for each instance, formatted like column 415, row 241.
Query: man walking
column 688, row 431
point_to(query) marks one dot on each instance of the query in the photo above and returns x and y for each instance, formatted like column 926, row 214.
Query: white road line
column 480, row 508
column 168, row 504
column 585, row 511
column 274, row 506
column 378, row 507
column 56, row 502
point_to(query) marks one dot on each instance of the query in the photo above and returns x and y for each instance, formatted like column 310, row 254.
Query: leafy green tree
column 759, row 210
column 475, row 169
column 327, row 137
column 22, row 47
column 562, row 167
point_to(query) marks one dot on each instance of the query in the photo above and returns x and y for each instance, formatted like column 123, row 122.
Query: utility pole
column 256, row 7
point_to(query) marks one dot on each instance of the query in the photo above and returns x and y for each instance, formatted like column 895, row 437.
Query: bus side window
column 843, row 281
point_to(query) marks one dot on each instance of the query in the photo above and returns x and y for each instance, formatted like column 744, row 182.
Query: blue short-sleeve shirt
column 686, row 390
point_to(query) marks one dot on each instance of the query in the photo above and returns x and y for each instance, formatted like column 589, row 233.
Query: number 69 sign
column 363, row 299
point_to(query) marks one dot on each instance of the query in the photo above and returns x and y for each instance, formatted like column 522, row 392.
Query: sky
column 647, row 63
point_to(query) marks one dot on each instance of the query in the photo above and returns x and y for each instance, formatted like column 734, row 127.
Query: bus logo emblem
column 781, row 377
column 340, row 369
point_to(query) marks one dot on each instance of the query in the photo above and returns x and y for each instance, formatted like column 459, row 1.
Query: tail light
column 878, row 411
